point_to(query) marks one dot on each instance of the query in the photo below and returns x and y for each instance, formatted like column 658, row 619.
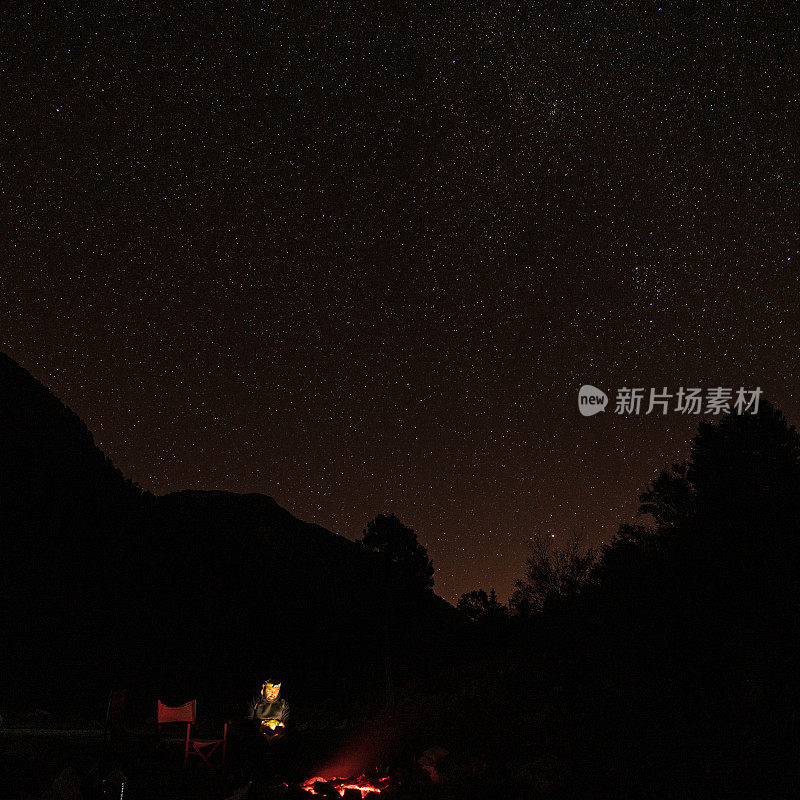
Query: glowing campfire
column 362, row 784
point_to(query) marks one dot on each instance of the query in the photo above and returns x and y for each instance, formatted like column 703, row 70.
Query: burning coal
column 325, row 786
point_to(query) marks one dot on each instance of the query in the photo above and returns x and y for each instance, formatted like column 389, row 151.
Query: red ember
column 341, row 784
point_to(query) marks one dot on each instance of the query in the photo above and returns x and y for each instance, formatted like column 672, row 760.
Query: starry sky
column 361, row 256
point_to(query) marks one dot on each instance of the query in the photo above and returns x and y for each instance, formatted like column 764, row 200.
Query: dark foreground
column 40, row 762
column 544, row 744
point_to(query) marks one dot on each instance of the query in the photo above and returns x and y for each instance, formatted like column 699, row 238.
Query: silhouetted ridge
column 260, row 513
column 100, row 580
column 47, row 449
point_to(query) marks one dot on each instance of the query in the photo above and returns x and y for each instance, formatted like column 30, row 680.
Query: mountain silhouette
column 102, row 582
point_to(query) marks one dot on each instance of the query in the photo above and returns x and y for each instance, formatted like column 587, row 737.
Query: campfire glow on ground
column 341, row 784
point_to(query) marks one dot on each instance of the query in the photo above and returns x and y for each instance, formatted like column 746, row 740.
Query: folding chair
column 115, row 714
column 203, row 747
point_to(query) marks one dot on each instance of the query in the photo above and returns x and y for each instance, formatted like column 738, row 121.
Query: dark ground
column 39, row 762
column 515, row 726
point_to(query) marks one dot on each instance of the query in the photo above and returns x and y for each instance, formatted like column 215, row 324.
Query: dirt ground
column 72, row 764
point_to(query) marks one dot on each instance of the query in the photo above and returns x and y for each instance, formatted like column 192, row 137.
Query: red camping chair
column 187, row 713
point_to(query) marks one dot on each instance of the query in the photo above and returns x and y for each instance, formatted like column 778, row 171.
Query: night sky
column 361, row 256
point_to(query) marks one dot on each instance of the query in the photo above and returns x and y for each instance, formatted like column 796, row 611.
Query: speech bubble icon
column 591, row 400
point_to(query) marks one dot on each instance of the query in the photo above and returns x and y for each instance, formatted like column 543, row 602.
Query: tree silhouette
column 745, row 470
column 726, row 541
column 478, row 605
column 385, row 534
column 669, row 499
column 550, row 573
column 742, row 483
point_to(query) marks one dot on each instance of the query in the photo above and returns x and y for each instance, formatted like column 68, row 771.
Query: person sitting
column 261, row 745
column 270, row 710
